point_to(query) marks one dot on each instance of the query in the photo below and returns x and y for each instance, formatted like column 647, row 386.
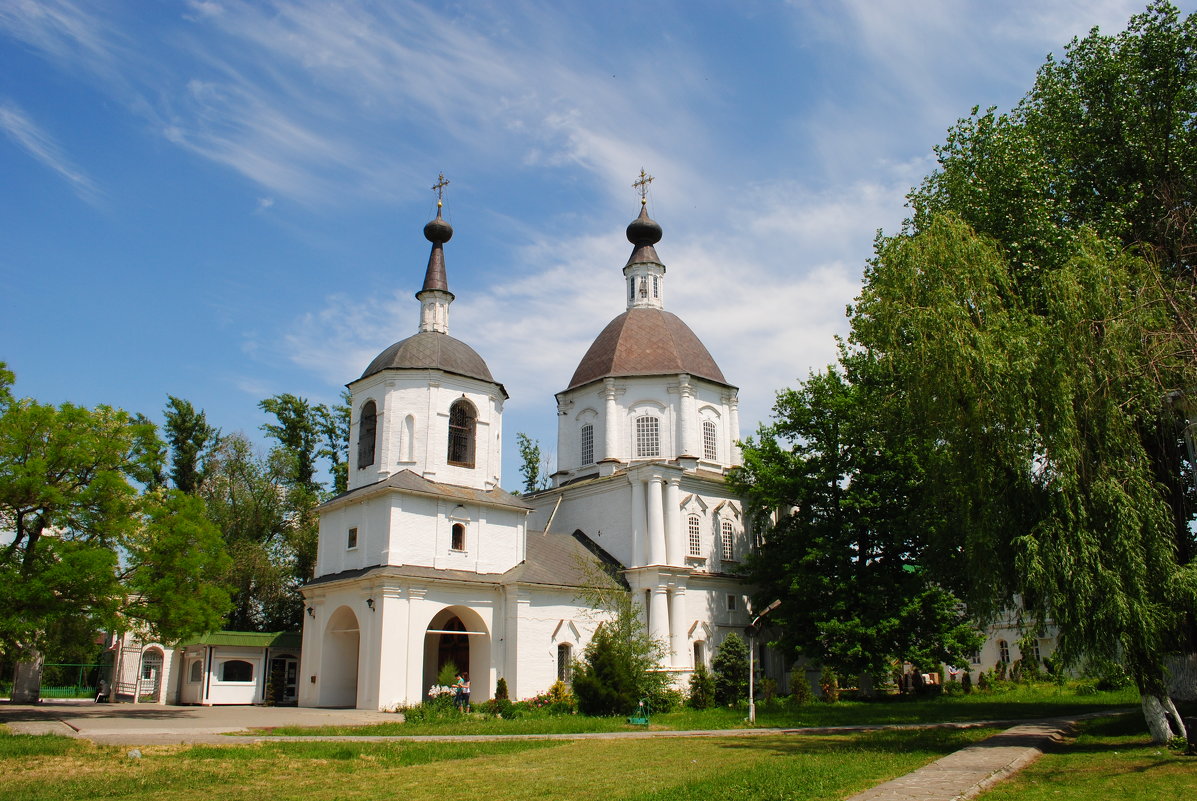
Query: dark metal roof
column 646, row 342
column 429, row 350
column 410, row 482
column 555, row 560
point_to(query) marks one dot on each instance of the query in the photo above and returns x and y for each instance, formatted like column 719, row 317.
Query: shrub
column 953, row 689
column 768, row 689
column 829, row 683
column 730, row 666
column 666, row 698
column 800, row 691
column 447, row 675
column 966, row 682
column 501, row 689
column 604, row 683
column 702, row 688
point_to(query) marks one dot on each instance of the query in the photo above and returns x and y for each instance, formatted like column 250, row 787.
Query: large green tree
column 836, row 490
column 1081, row 407
column 85, row 543
column 1037, row 399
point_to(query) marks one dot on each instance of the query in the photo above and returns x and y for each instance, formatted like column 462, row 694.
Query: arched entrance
column 149, row 684
column 459, row 635
column 339, row 660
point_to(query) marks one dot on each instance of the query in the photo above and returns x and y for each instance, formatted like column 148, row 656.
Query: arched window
column 463, row 421
column 236, row 670
column 587, row 444
column 197, row 671
column 1004, row 651
column 729, row 551
column 648, row 436
column 700, row 657
column 565, row 661
column 695, row 536
column 367, row 430
column 458, row 539
column 710, row 445
column 656, row 287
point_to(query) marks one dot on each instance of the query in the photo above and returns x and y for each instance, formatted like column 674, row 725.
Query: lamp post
column 751, row 631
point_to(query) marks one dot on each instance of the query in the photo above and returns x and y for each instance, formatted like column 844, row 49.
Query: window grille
column 565, row 659
column 695, row 537
column 648, row 437
column 729, row 552
column 587, row 444
column 462, row 423
column 710, row 448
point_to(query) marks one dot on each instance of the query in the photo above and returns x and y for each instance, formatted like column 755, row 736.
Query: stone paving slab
column 970, row 771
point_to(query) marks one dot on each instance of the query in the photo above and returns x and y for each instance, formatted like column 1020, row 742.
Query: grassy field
column 1111, row 760
column 1024, row 703
column 768, row 767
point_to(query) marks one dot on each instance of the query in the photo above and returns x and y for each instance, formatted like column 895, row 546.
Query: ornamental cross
column 642, row 186
column 439, row 188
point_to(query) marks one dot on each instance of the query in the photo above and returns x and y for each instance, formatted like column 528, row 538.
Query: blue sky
column 223, row 201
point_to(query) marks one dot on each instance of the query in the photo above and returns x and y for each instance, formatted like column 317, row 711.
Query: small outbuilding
column 239, row 667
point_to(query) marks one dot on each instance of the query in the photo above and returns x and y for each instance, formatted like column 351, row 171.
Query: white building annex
column 425, row 559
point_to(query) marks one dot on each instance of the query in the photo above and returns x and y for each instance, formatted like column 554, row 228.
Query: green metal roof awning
column 249, row 639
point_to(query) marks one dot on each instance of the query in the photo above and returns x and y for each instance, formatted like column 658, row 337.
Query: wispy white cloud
column 26, row 134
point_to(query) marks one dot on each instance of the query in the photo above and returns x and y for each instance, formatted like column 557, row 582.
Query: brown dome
column 646, row 342
column 429, row 350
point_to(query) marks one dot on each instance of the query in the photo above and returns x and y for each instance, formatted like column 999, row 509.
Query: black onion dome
column 429, row 350
column 643, row 233
column 644, row 230
column 438, row 231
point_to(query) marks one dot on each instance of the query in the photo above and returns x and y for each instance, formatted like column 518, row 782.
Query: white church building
column 425, row 559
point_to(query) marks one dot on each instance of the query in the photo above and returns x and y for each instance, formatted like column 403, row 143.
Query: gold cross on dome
column 642, row 186
column 439, row 188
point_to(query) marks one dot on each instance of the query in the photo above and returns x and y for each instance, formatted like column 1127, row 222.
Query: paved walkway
column 958, row 776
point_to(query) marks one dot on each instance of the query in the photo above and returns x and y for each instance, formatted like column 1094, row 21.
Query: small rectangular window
column 731, row 603
column 351, row 539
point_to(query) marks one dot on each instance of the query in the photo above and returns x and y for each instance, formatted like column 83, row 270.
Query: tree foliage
column 533, row 468
column 85, row 542
column 618, row 667
column 190, row 439
column 836, row 488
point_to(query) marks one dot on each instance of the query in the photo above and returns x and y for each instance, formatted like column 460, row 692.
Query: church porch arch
column 340, row 660
column 459, row 633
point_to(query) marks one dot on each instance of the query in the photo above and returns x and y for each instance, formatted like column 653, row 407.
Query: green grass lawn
column 795, row 767
column 1112, row 760
column 1024, row 703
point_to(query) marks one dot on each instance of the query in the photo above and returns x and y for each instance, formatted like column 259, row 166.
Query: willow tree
column 1036, row 394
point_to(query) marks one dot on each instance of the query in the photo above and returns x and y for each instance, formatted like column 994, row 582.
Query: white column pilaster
column 657, row 555
column 674, row 547
column 658, row 617
column 688, row 446
column 639, row 545
column 610, row 421
column 677, row 628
